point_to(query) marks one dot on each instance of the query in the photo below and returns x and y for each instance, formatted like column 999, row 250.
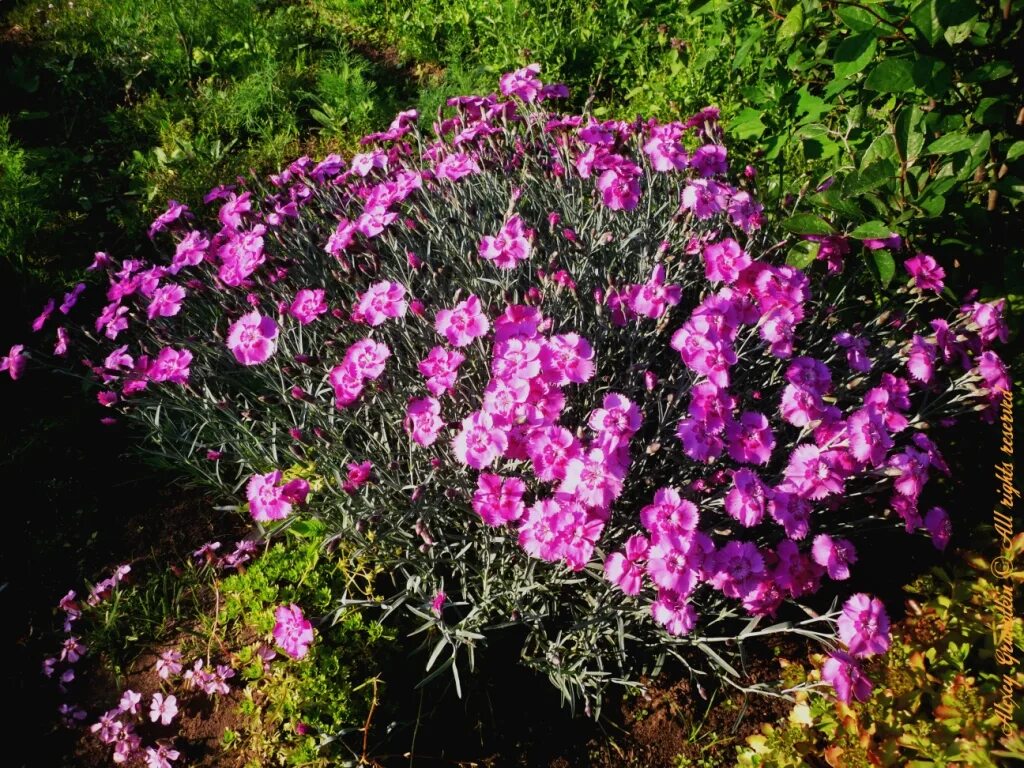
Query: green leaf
column 871, row 230
column 872, row 177
column 834, row 200
column 950, row 143
column 853, row 54
column 793, row 24
column 803, row 254
column 882, row 148
column 859, row 20
column 957, row 34
column 1016, row 150
column 747, row 124
column 925, row 18
column 992, row 70
column 811, row 106
column 807, row 224
column 891, row 76
column 991, row 111
column 885, row 266
column 909, row 134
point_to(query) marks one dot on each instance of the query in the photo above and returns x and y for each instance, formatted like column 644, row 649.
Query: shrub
column 552, row 373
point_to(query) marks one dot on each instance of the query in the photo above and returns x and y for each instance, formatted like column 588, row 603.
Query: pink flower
column 624, row 568
column 595, row 478
column 168, row 664
column 747, row 500
column 479, row 442
column 925, row 273
column 162, row 756
column 381, row 301
column 293, row 633
column 499, row 500
column 567, row 358
column 440, row 366
column 674, row 612
column 864, row 626
column 653, row 297
column 736, row 569
column 523, row 83
column 724, row 261
column 308, row 305
column 130, row 702
column 670, row 514
column 14, row 362
column 620, row 186
column 437, row 604
column 163, row 708
column 843, row 673
column 750, row 438
column 423, row 420
column 358, row 476
column 921, row 360
column 366, row 358
column 171, row 365
column 463, row 323
column 39, row 322
column 550, row 448
column 166, row 301
column 190, row 252
column 812, row 473
column 253, row 338
column 704, row 198
column 61, row 347
column 709, row 160
column 616, row 421
column 835, row 555
column 868, row 437
column 937, row 522
column 266, row 497
column 510, row 246
column 341, row 238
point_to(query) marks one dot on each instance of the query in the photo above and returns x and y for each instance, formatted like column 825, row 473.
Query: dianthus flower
column 163, row 708
column 835, row 555
column 267, row 498
column 925, row 273
column 293, row 633
column 463, row 323
column 480, row 441
column 864, row 626
column 499, row 500
column 625, row 569
column 308, row 305
column 252, row 338
column 509, row 247
column 380, row 302
column 844, row 674
column 423, row 420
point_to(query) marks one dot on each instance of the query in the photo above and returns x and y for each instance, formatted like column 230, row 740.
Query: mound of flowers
column 550, row 372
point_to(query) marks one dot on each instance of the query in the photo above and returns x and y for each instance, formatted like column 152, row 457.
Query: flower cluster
column 561, row 347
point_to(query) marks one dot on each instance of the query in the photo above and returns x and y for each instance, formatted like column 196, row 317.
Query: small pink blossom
column 293, row 633
column 308, row 305
column 463, row 323
column 163, row 708
column 380, row 302
column 252, row 338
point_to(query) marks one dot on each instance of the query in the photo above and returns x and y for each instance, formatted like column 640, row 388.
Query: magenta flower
column 674, row 612
column 663, row 149
column 523, row 83
column 990, row 319
column 736, row 569
column 168, row 664
column 747, row 500
column 670, row 514
column 252, row 338
column 341, row 238
column 166, row 301
column 750, row 438
column 616, row 421
column 161, row 756
column 864, row 626
column 423, row 420
column 14, row 362
column 266, row 497
column 704, row 198
column 463, row 323
column 921, row 360
column 835, row 555
column 480, row 441
column 868, row 437
column 653, row 297
column 620, row 186
column 844, row 674
column 673, row 563
column 937, row 522
column 381, row 301
column 293, row 633
column 308, row 305
column 724, row 261
column 440, row 366
column 499, row 500
column 812, row 473
column 567, row 358
column 709, row 160
column 163, row 708
column 39, row 322
column 358, row 476
column 366, row 358
column 190, row 252
column 594, row 478
column 625, row 569
column 171, row 365
column 549, row 449
column 925, row 273
column 509, row 247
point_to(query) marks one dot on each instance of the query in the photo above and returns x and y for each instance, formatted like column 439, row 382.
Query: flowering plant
column 556, row 368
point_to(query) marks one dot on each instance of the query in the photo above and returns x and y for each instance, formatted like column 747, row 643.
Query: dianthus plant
column 552, row 366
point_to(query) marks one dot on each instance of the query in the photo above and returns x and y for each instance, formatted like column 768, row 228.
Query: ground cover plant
column 864, row 160
column 254, row 355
